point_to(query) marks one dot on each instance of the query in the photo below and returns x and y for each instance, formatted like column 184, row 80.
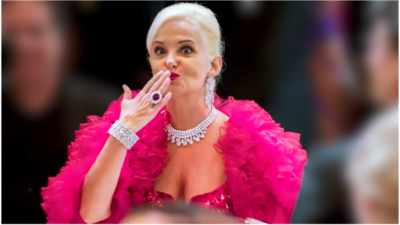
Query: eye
column 159, row 51
column 186, row 50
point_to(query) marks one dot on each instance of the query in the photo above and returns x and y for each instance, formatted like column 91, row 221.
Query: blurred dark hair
column 183, row 212
column 60, row 11
column 364, row 16
column 386, row 11
column 172, row 208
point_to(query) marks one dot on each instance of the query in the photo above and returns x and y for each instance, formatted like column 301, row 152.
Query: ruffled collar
column 257, row 154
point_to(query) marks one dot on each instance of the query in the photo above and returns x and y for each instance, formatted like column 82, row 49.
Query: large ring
column 156, row 97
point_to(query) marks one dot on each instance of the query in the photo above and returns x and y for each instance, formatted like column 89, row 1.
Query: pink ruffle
column 62, row 196
column 263, row 164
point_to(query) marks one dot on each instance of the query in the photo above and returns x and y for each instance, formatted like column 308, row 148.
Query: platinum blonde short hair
column 204, row 16
column 372, row 169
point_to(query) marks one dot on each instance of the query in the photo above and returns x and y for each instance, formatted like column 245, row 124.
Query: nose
column 171, row 62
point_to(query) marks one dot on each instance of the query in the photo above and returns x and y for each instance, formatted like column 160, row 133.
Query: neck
column 187, row 111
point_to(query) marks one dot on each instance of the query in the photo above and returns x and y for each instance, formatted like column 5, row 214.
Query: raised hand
column 139, row 111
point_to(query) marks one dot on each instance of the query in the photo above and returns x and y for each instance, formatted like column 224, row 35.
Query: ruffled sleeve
column 264, row 164
column 63, row 194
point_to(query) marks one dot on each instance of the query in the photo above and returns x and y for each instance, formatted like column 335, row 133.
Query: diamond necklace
column 183, row 137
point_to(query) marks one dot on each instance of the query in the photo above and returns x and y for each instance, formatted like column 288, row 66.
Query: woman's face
column 369, row 211
column 180, row 46
column 382, row 66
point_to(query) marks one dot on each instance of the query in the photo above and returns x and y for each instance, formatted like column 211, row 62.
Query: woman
column 190, row 144
column 372, row 171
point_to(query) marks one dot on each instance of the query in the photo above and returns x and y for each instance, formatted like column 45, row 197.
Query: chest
column 193, row 169
column 195, row 162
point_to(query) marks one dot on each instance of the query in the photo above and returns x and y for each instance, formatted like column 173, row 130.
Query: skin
column 165, row 218
column 147, row 218
column 38, row 49
column 192, row 170
column 369, row 211
column 381, row 61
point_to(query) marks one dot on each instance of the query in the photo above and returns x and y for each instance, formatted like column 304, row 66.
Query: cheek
column 375, row 59
column 190, row 65
column 56, row 49
column 157, row 65
column 194, row 70
column 204, row 68
column 361, row 209
column 380, row 68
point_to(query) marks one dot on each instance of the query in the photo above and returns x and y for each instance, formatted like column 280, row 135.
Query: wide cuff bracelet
column 123, row 134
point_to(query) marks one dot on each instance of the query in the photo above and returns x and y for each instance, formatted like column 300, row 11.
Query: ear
column 216, row 66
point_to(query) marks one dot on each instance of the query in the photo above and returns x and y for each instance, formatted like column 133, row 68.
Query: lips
column 173, row 76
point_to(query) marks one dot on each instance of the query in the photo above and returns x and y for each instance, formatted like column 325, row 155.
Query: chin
column 174, row 87
column 178, row 91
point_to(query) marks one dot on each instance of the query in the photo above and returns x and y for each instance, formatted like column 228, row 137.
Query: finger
column 163, row 102
column 146, row 100
column 159, row 82
column 140, row 94
column 152, row 81
column 156, row 86
column 165, row 86
column 127, row 92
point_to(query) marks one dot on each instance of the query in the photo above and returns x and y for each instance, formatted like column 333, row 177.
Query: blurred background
column 321, row 69
column 291, row 57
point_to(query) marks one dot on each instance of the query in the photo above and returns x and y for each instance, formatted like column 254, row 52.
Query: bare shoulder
column 221, row 117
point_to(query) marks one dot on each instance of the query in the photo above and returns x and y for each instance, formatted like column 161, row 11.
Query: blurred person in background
column 42, row 106
column 335, row 85
column 324, row 196
column 176, row 139
column 373, row 172
column 4, row 53
column 176, row 212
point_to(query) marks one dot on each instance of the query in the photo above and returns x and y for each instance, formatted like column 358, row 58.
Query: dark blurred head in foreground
column 373, row 172
column 33, row 52
column 175, row 212
column 381, row 53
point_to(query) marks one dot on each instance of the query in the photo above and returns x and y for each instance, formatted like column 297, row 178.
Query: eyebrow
column 180, row 42
column 158, row 42
column 183, row 41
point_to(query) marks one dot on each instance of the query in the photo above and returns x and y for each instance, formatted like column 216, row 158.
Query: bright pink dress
column 263, row 165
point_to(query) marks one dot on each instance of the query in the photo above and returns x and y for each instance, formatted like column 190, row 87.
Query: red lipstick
column 173, row 76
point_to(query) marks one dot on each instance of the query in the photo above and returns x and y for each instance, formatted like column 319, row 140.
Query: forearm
column 101, row 181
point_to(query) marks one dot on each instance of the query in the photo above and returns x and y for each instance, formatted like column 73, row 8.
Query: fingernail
column 168, row 72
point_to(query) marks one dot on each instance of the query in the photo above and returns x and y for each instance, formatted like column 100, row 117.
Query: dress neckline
column 221, row 188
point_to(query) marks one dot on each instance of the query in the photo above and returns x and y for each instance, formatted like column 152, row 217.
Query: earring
column 210, row 86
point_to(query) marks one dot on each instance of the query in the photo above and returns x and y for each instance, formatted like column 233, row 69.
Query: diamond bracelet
column 123, row 134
